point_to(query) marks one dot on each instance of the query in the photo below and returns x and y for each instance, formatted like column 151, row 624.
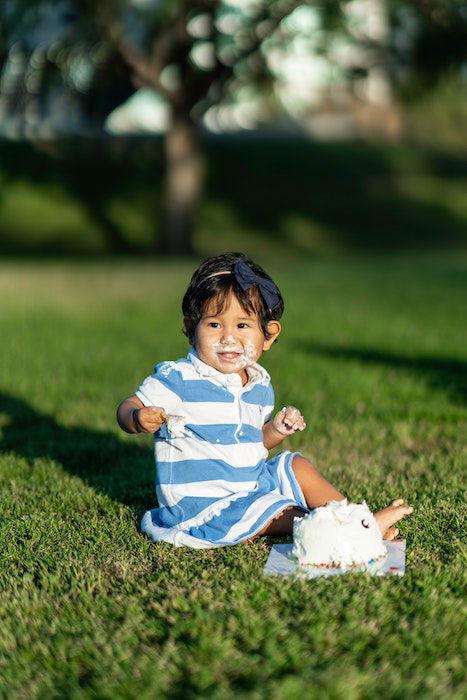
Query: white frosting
column 338, row 534
column 176, row 426
column 247, row 353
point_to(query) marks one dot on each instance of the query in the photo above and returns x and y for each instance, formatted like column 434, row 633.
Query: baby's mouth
column 229, row 355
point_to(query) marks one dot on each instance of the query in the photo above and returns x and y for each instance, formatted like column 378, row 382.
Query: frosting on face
column 231, row 339
column 237, row 355
column 338, row 534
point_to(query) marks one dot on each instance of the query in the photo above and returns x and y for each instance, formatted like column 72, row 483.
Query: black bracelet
column 136, row 422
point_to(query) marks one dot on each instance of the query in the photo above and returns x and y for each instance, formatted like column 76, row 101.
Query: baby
column 211, row 415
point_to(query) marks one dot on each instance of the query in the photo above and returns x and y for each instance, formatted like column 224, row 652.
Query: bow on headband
column 246, row 278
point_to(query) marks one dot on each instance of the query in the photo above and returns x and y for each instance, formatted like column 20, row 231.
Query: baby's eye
column 242, row 325
column 214, row 324
column 365, row 523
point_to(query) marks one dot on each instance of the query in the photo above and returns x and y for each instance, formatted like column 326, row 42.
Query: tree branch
column 147, row 71
column 219, row 78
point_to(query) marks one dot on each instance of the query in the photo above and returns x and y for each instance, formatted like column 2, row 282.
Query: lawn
column 374, row 353
column 89, row 196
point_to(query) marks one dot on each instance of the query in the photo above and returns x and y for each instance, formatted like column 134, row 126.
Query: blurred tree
column 396, row 52
column 195, row 54
column 428, row 42
column 198, row 53
column 59, row 77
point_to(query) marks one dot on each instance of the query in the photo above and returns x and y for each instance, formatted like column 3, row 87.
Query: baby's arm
column 134, row 417
column 284, row 423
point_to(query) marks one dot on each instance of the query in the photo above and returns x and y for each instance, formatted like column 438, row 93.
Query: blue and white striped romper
column 215, row 486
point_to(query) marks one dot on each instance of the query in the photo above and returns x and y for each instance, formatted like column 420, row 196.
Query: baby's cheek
column 251, row 352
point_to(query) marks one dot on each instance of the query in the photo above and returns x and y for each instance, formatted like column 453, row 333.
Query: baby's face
column 232, row 339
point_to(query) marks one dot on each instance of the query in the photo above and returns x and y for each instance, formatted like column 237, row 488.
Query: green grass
column 373, row 352
column 320, row 198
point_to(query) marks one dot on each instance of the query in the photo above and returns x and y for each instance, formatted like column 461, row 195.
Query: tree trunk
column 183, row 185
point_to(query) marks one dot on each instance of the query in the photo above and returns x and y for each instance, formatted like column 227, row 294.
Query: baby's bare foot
column 390, row 515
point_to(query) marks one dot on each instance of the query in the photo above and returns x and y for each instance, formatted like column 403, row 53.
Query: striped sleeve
column 163, row 388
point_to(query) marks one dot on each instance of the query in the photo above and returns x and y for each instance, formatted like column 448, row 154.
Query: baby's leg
column 317, row 492
column 282, row 523
column 316, row 489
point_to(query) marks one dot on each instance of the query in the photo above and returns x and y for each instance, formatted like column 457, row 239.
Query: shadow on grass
column 353, row 196
column 122, row 471
column 352, row 189
column 447, row 374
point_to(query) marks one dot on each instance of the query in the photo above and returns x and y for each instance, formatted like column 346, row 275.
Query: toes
column 399, row 512
column 391, row 533
column 397, row 502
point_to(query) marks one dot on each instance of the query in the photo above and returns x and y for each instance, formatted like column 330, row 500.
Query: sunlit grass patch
column 373, row 352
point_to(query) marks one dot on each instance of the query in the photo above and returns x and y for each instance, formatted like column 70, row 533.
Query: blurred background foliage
column 180, row 127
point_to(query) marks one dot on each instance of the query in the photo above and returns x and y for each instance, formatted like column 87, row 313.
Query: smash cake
column 339, row 534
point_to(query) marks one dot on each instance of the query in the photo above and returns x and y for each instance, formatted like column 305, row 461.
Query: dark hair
column 206, row 285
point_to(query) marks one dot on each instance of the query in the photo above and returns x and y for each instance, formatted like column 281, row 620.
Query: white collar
column 256, row 373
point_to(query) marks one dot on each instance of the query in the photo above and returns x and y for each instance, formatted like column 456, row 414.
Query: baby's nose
column 227, row 339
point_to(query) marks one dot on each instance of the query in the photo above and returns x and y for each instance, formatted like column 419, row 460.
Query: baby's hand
column 149, row 419
column 288, row 421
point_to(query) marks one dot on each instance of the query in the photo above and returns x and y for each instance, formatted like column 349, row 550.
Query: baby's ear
column 274, row 329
